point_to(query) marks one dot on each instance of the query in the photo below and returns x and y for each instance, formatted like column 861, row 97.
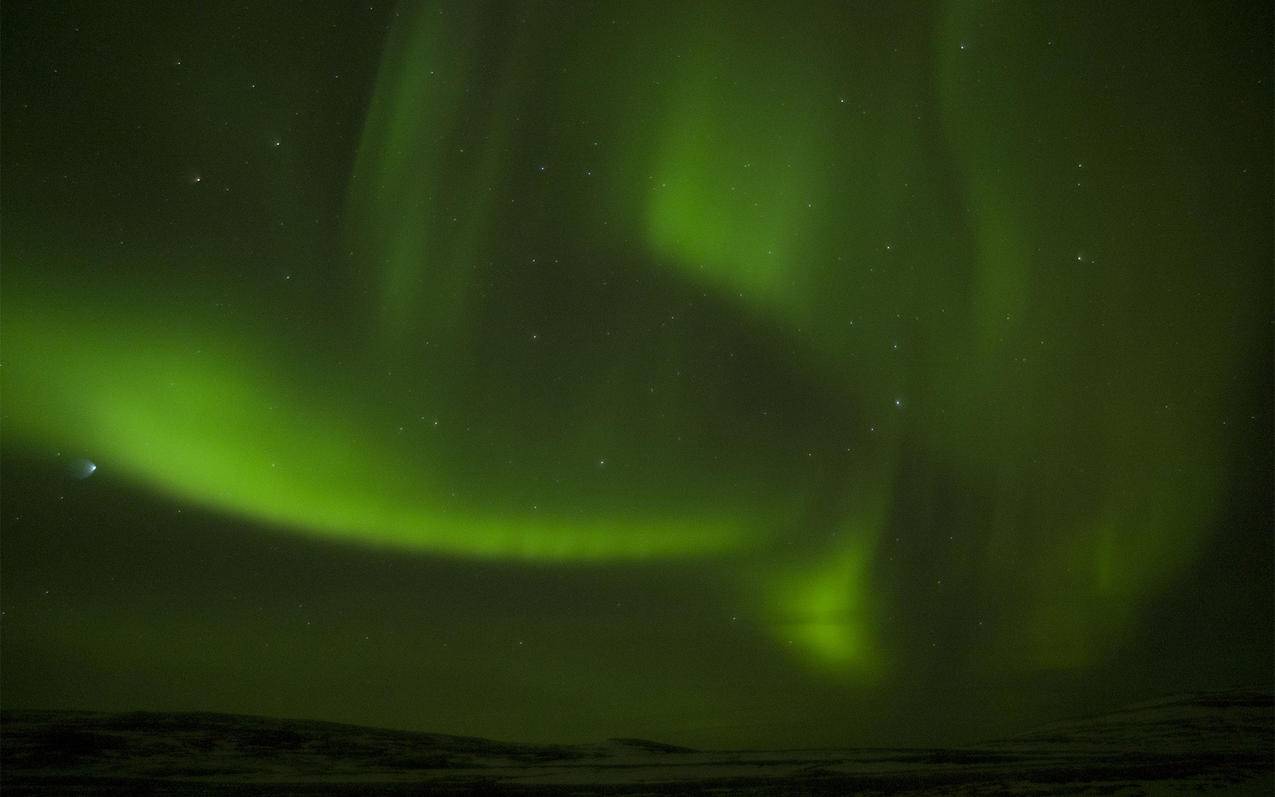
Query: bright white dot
column 898, row 402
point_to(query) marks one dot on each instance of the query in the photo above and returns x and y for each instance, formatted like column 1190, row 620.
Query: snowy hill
column 1216, row 742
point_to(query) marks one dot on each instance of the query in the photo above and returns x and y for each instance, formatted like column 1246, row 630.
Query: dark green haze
column 721, row 372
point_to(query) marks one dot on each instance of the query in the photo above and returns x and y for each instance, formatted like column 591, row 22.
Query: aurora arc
column 694, row 199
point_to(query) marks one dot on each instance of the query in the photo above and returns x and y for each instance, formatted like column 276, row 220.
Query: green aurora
column 892, row 326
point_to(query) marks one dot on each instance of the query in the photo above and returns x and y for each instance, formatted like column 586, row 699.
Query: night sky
column 725, row 373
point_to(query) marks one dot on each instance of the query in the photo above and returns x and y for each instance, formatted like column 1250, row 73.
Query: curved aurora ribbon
column 754, row 180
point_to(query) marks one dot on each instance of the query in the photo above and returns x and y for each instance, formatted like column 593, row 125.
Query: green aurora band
column 1034, row 355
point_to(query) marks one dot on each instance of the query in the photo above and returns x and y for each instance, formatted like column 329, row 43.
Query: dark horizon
column 1208, row 742
column 1262, row 694
column 731, row 375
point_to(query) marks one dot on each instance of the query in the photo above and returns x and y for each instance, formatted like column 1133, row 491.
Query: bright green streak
column 722, row 206
column 827, row 606
column 197, row 414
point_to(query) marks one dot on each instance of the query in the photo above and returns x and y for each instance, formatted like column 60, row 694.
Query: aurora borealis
column 724, row 373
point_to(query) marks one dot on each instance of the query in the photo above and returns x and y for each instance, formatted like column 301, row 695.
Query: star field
column 730, row 375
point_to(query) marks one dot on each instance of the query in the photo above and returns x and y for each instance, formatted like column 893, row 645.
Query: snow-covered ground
column 1216, row 742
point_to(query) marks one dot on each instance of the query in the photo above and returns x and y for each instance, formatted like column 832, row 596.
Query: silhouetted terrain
column 1223, row 742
